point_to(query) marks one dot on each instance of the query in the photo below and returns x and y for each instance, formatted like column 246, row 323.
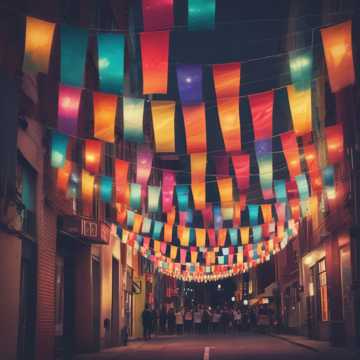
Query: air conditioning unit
column 89, row 228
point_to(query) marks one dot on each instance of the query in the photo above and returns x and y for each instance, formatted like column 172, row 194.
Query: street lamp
column 219, row 286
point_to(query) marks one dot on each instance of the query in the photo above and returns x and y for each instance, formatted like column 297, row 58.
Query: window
column 323, row 291
column 59, row 309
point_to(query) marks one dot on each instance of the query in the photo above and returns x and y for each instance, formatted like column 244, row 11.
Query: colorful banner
column 303, row 187
column 153, row 198
column 146, row 226
column 158, row 225
column 198, row 167
column 144, row 159
column 168, row 183
column 62, row 177
column 237, row 214
column 227, row 88
column 253, row 214
column 121, row 179
column 111, row 62
column 155, row 59
column 244, row 235
column 218, row 220
column 173, row 252
column 261, row 106
column 201, row 15
column 168, row 233
column 241, row 164
column 106, row 189
column 225, row 187
column 200, row 237
column 199, row 195
column 291, row 153
column 163, row 119
column 300, row 108
column 257, row 233
column 157, row 14
column 104, row 116
column 329, row 182
column 263, row 149
column 73, row 47
column 334, row 143
column 195, row 127
column 38, row 42
column 189, row 78
column 182, row 194
column 135, row 196
column 87, row 191
column 221, row 236
column 337, row 43
column 234, row 236
column 212, row 237
column 280, row 190
column 59, row 144
column 266, row 210
column 312, row 163
column 92, row 155
column 301, row 62
column 133, row 115
column 207, row 215
column 68, row 109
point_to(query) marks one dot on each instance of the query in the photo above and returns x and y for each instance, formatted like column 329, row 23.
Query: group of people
column 199, row 320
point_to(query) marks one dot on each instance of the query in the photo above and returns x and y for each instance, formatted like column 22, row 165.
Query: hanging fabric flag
column 303, row 186
column 38, row 42
column 227, row 213
column 153, row 198
column 106, row 186
column 244, row 235
column 212, row 238
column 183, row 254
column 168, row 232
column 173, row 252
column 312, row 163
column 170, row 216
column 266, row 210
column 158, row 225
column 59, row 144
column 182, row 218
column 295, row 208
column 68, row 109
column 329, row 182
column 257, row 233
column 198, row 167
column 163, row 248
column 200, row 237
column 237, row 214
column 335, row 143
column 155, row 59
column 133, row 114
column 225, row 187
column 73, row 47
column 337, row 43
column 189, row 78
column 144, row 158
column 280, row 190
column 221, row 166
column 138, row 219
column 199, row 195
column 221, row 236
column 92, row 155
column 261, row 106
column 207, row 215
column 195, row 127
column 241, row 164
column 234, row 237
column 130, row 217
column 157, row 14
column 121, row 179
column 193, row 257
column 263, row 149
column 168, row 183
column 227, row 88
column 156, row 247
column 253, row 214
column 292, row 190
column 300, row 108
column 87, row 191
column 135, row 196
column 182, row 194
column 201, row 15
column 291, row 153
column 184, row 236
column 218, row 220
column 63, row 175
column 146, row 226
column 301, row 62
column 163, row 117
column 111, row 60
column 104, row 116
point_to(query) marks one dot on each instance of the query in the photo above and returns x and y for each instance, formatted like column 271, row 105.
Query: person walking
column 147, row 321
column 162, row 319
column 188, row 320
column 205, row 321
column 171, row 320
column 197, row 320
column 215, row 320
column 179, row 318
column 237, row 319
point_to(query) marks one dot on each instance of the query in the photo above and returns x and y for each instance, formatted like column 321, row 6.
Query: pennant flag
column 227, row 88
column 92, row 155
column 292, row 190
column 111, row 60
column 253, row 214
column 337, row 43
column 183, row 254
column 168, row 183
column 87, row 190
column 135, row 196
column 133, row 114
column 257, row 233
column 207, row 215
column 163, row 119
column 63, row 175
column 303, row 186
column 329, row 182
column 263, row 149
column 295, row 208
column 312, row 163
column 59, row 144
column 241, row 164
column 225, row 187
column 261, row 106
column 334, row 143
column 221, row 236
column 193, row 256
column 227, row 213
column 38, row 42
column 68, row 109
column 218, row 220
column 200, row 237
column 266, row 210
column 173, row 252
column 234, row 237
column 195, row 127
column 155, row 59
column 184, row 236
column 221, row 166
column 189, row 78
column 291, row 153
column 73, row 47
column 156, row 246
column 106, row 187
column 170, row 216
column 144, row 158
column 146, row 225
column 198, row 167
column 121, row 176
column 153, row 198
column 201, row 15
column 168, row 233
column 158, row 225
column 157, row 14
column 300, row 108
column 137, row 223
column 182, row 218
column 182, row 193
column 280, row 190
column 244, row 234
column 212, row 238
column 104, row 116
column 237, row 214
column 199, row 195
column 301, row 62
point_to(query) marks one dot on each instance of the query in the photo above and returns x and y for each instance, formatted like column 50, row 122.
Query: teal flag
column 158, row 225
column 73, row 47
column 59, row 143
column 106, row 186
column 111, row 50
column 301, row 62
column 201, row 14
column 280, row 190
column 133, row 110
column 234, row 237
column 257, row 233
column 135, row 196
column 129, row 219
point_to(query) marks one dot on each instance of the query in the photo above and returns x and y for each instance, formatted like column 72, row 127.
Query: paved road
column 219, row 347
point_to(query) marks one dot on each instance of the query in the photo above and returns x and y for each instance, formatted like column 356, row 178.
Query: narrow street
column 247, row 346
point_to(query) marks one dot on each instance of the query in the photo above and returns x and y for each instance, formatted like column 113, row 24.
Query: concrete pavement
column 245, row 346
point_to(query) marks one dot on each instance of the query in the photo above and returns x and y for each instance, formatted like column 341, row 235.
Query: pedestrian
column 179, row 318
column 155, row 319
column 197, row 320
column 188, row 320
column 225, row 320
column 162, row 319
column 147, row 320
column 237, row 319
column 171, row 320
column 205, row 321
column 215, row 320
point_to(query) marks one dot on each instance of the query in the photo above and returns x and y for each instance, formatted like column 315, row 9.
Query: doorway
column 115, row 331
column 96, row 283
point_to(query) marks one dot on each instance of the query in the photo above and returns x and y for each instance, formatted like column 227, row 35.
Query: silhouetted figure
column 162, row 319
column 171, row 320
column 147, row 320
